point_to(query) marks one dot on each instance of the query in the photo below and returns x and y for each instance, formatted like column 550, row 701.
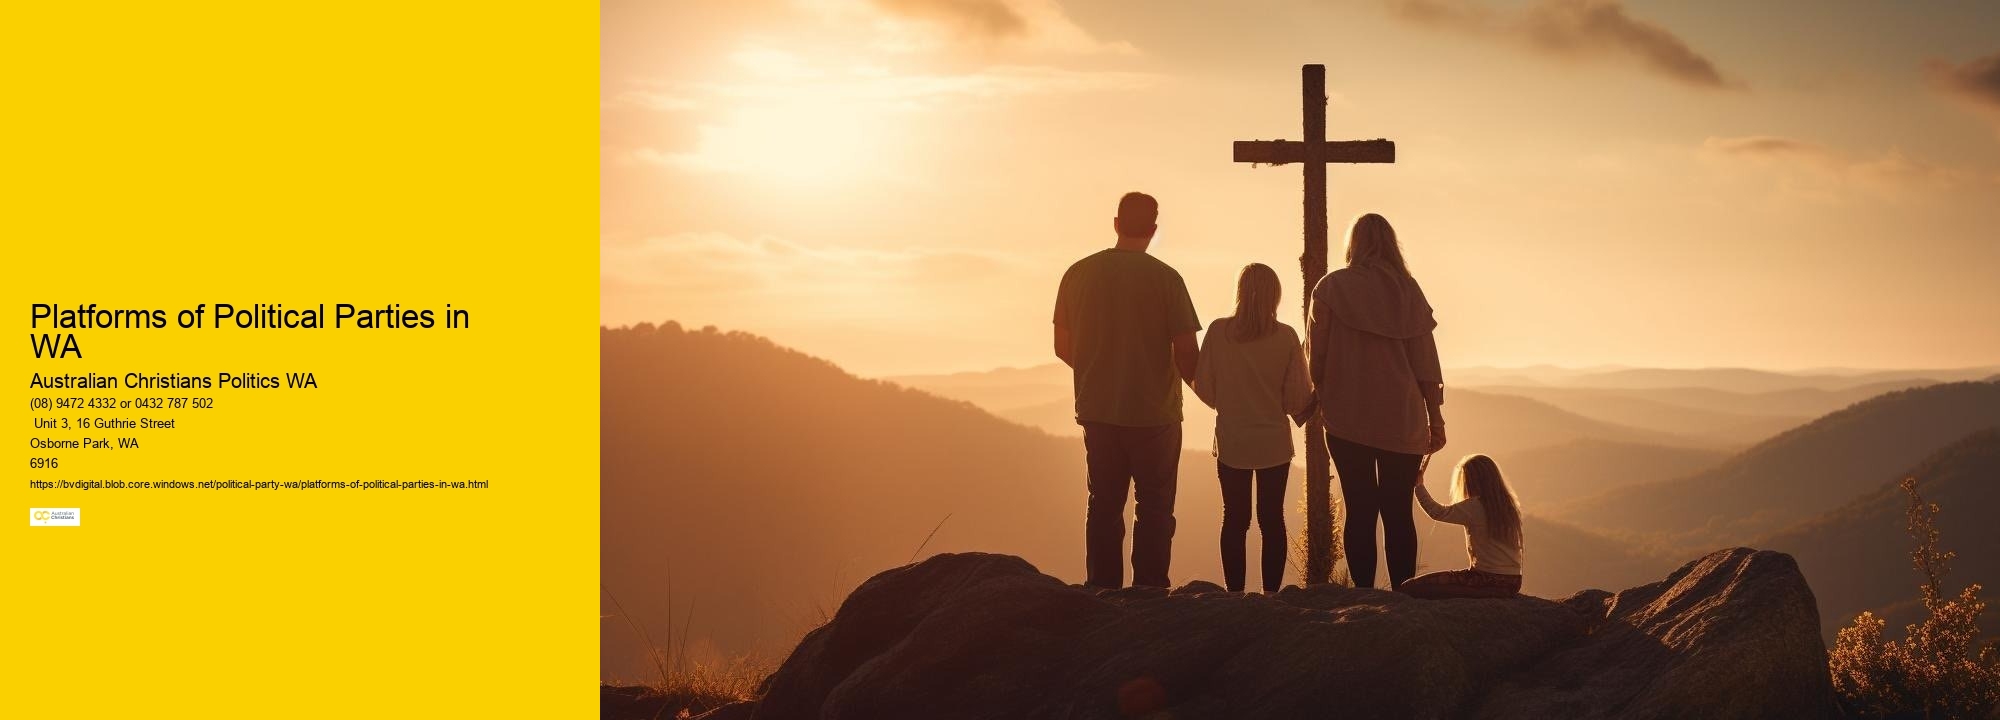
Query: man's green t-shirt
column 1122, row 309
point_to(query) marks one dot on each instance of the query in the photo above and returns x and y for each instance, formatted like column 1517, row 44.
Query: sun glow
column 787, row 118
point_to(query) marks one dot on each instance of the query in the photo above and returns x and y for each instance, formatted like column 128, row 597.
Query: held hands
column 1303, row 416
column 1437, row 437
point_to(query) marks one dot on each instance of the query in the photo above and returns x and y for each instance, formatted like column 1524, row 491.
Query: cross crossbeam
column 1282, row 152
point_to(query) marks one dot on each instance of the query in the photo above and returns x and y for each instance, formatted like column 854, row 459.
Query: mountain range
column 742, row 471
column 1868, row 534
column 1801, row 473
column 1733, row 380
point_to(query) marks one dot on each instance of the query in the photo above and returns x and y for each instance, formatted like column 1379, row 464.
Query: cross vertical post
column 1312, row 264
column 1314, row 152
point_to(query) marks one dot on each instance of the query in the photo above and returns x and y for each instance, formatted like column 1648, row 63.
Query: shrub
column 1937, row 669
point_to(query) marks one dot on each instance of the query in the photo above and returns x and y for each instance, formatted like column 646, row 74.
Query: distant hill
column 749, row 471
column 1858, row 378
column 1799, row 474
column 1049, row 374
column 1741, row 380
column 997, row 388
column 1738, row 380
column 1058, row 417
column 1714, row 418
column 1506, row 426
column 1481, row 376
column 1804, row 403
column 1684, row 414
column 1550, row 477
column 1500, row 425
column 1558, row 558
column 1480, row 421
column 1858, row 556
column 767, row 482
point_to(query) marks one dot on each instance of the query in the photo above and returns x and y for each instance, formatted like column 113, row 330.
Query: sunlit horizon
column 896, row 187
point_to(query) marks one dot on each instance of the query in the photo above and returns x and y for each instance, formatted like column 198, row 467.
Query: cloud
column 789, row 117
column 844, row 96
column 1816, row 170
column 655, row 100
column 1036, row 26
column 1763, row 145
column 1976, row 82
column 777, row 74
column 1572, row 29
column 983, row 17
column 739, row 279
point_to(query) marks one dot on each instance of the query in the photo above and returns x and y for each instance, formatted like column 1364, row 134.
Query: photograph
column 1299, row 358
column 1004, row 359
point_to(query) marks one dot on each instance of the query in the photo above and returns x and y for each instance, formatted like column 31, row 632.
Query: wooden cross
column 1314, row 153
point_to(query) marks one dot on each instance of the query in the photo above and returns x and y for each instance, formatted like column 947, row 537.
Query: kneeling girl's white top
column 1488, row 553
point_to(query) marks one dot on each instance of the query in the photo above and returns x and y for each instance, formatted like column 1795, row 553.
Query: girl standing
column 1251, row 370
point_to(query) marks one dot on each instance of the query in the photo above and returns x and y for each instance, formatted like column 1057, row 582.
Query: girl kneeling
column 1492, row 520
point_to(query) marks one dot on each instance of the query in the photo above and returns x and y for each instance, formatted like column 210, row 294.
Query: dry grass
column 1938, row 669
column 1295, row 561
column 692, row 689
column 683, row 688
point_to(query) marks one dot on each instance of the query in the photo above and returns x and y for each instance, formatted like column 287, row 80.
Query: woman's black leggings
column 1270, row 522
column 1376, row 483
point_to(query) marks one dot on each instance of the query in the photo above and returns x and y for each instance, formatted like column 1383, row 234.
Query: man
column 1125, row 326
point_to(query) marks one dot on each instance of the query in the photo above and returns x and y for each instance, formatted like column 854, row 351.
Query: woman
column 1380, row 392
column 1252, row 372
column 1486, row 506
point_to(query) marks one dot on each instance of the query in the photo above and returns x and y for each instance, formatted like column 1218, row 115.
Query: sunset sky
column 898, row 185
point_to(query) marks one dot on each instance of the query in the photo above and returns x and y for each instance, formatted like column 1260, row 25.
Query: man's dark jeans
column 1145, row 460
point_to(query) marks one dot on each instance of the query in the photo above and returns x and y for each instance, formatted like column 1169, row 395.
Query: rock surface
column 1734, row 634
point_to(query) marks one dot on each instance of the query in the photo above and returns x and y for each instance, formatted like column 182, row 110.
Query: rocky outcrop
column 1734, row 634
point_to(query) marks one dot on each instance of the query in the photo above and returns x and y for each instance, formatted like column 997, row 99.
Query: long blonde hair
column 1372, row 238
column 1257, row 292
column 1479, row 477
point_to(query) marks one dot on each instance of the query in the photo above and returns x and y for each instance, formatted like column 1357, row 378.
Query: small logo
column 54, row 517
